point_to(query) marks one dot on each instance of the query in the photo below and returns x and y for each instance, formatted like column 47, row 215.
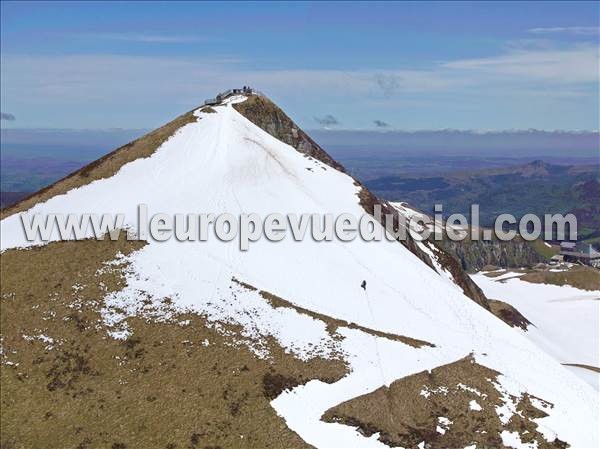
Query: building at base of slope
column 580, row 253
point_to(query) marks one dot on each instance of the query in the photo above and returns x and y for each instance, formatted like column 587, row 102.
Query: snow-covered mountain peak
column 246, row 156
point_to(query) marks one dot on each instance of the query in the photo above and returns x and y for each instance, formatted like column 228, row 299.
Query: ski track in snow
column 224, row 163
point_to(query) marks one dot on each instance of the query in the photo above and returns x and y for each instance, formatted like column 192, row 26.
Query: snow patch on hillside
column 565, row 320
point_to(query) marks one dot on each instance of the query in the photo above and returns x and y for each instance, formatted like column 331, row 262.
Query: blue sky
column 425, row 65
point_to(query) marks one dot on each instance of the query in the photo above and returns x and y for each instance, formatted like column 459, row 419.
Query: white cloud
column 579, row 30
column 117, row 90
column 73, row 77
column 578, row 64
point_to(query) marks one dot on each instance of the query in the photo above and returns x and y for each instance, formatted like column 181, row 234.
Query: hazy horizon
column 506, row 143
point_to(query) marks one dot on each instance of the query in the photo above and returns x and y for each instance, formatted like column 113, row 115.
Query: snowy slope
column 224, row 163
column 565, row 319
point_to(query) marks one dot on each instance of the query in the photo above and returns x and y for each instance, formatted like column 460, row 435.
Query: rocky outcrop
column 474, row 255
column 267, row 115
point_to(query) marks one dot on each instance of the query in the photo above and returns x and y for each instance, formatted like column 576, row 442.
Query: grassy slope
column 405, row 417
column 163, row 387
column 542, row 249
column 578, row 276
column 582, row 277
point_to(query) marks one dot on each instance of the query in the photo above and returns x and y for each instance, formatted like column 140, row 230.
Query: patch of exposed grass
column 333, row 324
column 174, row 384
column 585, row 278
column 414, row 409
column 106, row 166
column 595, row 369
column 578, row 276
column 508, row 314
column 541, row 248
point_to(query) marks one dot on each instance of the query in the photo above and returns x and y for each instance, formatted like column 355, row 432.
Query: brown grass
column 267, row 115
column 333, row 324
column 578, row 276
column 508, row 314
column 595, row 369
column 404, row 417
column 105, row 167
column 547, row 252
column 163, row 387
column 585, row 278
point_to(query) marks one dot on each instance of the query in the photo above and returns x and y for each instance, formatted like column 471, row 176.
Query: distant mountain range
column 536, row 187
